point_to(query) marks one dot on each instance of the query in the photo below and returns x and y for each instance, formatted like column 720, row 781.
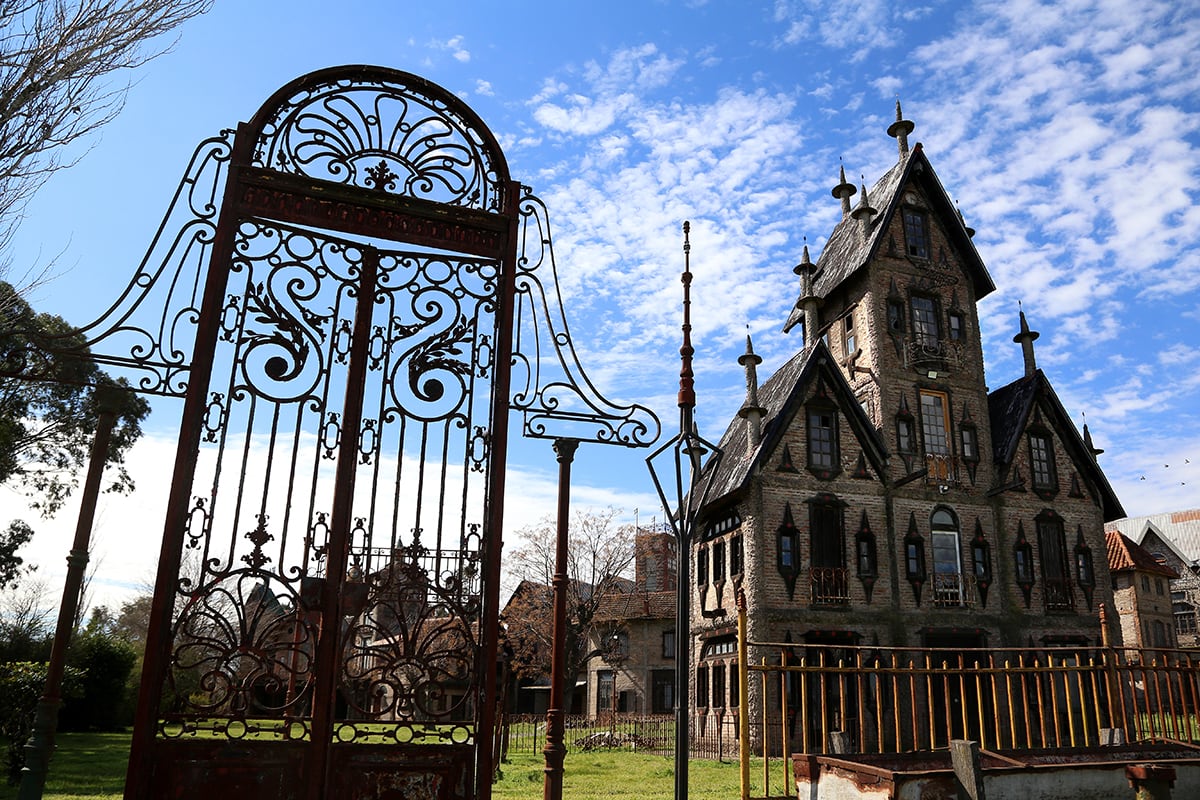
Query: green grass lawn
column 91, row 766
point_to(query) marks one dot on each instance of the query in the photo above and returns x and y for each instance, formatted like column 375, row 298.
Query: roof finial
column 844, row 190
column 863, row 212
column 970, row 231
column 808, row 302
column 900, row 129
column 751, row 411
column 687, row 382
column 1026, row 338
column 1087, row 441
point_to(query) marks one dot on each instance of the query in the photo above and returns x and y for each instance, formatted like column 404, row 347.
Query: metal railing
column 955, row 589
column 713, row 734
column 829, row 586
column 825, row 699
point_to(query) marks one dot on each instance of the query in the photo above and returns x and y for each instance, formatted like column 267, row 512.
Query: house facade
column 1141, row 594
column 873, row 491
column 1173, row 539
column 632, row 637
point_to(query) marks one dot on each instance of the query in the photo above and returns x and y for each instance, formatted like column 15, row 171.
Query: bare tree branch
column 59, row 81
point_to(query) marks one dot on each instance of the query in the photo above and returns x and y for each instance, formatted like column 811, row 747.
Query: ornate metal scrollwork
column 393, row 137
column 569, row 406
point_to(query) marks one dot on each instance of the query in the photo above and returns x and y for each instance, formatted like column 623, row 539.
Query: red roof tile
column 1126, row 554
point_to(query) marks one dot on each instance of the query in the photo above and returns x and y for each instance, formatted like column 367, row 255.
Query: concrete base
column 1076, row 774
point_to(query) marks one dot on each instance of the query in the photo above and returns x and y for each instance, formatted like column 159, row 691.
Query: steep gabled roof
column 1010, row 407
column 1180, row 528
column 781, row 395
column 1124, row 555
column 847, row 251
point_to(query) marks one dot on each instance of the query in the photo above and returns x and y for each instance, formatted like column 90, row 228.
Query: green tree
column 105, row 661
column 46, row 425
column 12, row 566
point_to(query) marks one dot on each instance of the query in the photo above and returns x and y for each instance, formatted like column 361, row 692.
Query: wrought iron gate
column 326, row 563
column 340, row 324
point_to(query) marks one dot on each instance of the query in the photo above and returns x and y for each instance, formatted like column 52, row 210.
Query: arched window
column 948, row 589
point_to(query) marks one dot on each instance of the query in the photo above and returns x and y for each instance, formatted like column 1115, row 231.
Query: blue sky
column 1068, row 133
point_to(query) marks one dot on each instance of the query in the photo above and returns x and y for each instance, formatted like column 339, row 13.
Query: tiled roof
column 636, row 605
column 1125, row 554
column 1181, row 528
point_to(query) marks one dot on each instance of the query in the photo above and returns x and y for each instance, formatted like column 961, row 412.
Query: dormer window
column 823, row 455
column 1041, row 463
column 916, row 233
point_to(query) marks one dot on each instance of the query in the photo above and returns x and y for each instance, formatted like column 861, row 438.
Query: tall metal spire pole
column 690, row 482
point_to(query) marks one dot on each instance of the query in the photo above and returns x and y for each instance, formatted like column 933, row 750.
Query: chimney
column 864, row 212
column 808, row 302
column 899, row 130
column 844, row 191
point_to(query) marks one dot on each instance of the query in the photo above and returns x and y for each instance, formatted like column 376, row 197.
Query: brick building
column 632, row 637
column 1141, row 594
column 1173, row 539
column 873, row 491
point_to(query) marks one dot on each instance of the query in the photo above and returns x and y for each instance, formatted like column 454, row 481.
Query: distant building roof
column 1181, row 528
column 616, row 606
column 1124, row 554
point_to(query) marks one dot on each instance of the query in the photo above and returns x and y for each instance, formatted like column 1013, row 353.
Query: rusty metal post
column 41, row 742
column 556, row 750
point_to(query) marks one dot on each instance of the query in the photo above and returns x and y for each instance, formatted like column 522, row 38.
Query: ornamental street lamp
column 682, row 481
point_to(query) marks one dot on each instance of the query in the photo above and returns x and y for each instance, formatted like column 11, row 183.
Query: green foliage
column 11, row 539
column 106, row 663
column 22, row 684
column 49, row 413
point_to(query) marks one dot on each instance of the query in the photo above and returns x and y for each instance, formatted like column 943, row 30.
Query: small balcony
column 941, row 469
column 923, row 353
column 1059, row 594
column 829, row 586
column 955, row 590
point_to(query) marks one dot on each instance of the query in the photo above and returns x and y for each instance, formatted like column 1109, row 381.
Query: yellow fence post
column 743, row 696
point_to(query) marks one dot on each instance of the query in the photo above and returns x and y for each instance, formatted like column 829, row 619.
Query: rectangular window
column 718, row 553
column 904, row 435
column 895, row 316
column 702, row 687
column 718, row 685
column 956, row 327
column 827, row 537
column 848, row 337
column 1056, row 569
column 916, row 233
column 925, row 321
column 605, row 683
column 787, row 551
column 970, row 444
column 735, row 555
column 668, row 639
column 734, row 691
column 701, row 566
column 935, row 422
column 1041, row 461
column 663, row 691
column 821, row 438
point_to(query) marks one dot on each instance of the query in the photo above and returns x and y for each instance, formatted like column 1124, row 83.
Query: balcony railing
column 829, row 586
column 955, row 589
column 926, row 353
column 1059, row 594
column 941, row 469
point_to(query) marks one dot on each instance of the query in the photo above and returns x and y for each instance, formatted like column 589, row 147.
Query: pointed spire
column 864, row 211
column 751, row 411
column 808, row 302
column 1026, row 338
column 844, row 190
column 899, row 130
